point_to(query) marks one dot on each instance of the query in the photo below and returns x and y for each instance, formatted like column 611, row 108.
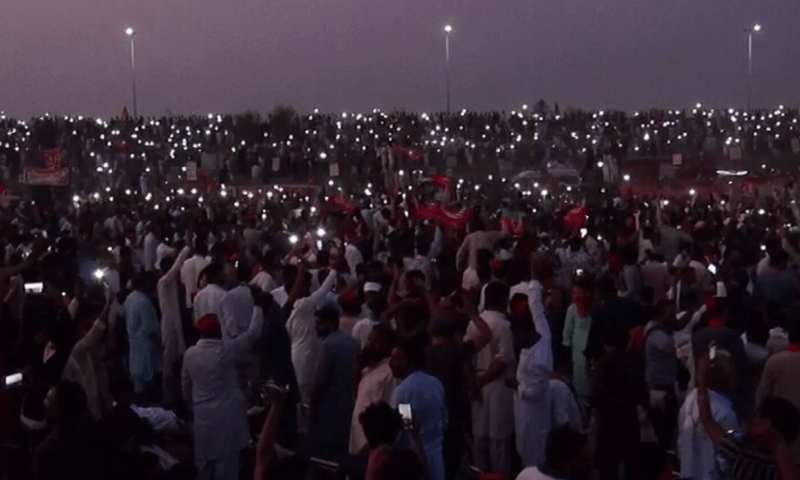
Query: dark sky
column 71, row 56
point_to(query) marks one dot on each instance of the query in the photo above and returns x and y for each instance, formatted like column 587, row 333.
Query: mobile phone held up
column 12, row 381
column 405, row 414
column 34, row 287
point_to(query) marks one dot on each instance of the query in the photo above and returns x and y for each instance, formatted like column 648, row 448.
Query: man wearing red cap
column 210, row 386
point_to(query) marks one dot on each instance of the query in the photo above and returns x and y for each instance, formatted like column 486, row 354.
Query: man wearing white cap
column 374, row 299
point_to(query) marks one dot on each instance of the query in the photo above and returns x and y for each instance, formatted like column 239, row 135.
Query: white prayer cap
column 372, row 287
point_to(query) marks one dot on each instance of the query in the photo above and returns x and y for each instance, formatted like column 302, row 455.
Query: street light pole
column 447, row 30
column 132, row 33
column 750, row 32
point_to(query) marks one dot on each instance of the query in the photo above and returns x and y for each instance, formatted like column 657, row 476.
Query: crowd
column 285, row 144
column 271, row 334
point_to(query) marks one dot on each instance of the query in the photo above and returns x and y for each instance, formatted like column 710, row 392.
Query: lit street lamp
column 750, row 31
column 447, row 31
column 130, row 32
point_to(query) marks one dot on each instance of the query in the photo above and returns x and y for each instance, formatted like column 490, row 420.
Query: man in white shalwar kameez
column 493, row 413
column 302, row 329
column 171, row 325
column 210, row 385
column 532, row 401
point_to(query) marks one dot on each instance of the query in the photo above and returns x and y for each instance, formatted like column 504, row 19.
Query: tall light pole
column 447, row 31
column 750, row 31
column 131, row 33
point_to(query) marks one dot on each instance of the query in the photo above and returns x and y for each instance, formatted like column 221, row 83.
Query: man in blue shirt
column 425, row 394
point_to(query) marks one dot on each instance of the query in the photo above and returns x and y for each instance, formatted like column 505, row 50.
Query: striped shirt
column 744, row 461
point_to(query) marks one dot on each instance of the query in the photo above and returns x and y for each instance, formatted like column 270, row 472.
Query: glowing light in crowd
column 293, row 239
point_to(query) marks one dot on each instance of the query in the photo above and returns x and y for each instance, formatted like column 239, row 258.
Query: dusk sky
column 72, row 56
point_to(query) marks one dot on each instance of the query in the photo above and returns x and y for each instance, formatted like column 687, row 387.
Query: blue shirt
column 425, row 394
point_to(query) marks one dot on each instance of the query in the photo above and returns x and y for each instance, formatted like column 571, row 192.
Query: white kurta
column 209, row 301
column 695, row 450
column 493, row 417
column 210, row 385
column 171, row 325
column 303, row 334
column 190, row 273
column 532, row 404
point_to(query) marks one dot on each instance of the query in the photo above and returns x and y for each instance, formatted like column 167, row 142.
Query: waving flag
column 515, row 228
column 441, row 181
column 576, row 218
column 347, row 206
column 411, row 153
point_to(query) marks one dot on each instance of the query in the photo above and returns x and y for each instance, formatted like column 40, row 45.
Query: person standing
column 532, row 402
column 190, row 271
column 144, row 355
column 576, row 333
column 661, row 372
column 171, row 325
column 208, row 300
column 780, row 375
column 237, row 310
column 377, row 382
column 618, row 391
column 425, row 395
column 493, row 404
column 210, row 386
column 301, row 328
column 332, row 396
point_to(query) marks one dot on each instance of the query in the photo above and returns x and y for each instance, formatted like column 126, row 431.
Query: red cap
column 208, row 324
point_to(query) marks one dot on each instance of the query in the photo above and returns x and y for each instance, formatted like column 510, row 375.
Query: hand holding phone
column 405, row 413
column 13, row 381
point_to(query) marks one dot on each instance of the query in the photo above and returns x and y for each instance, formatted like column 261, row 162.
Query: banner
column 53, row 177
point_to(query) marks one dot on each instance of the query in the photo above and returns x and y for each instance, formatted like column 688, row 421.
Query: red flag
column 426, row 211
column 454, row 219
column 125, row 115
column 576, row 218
column 348, row 206
column 52, row 158
column 513, row 227
column 412, row 153
column 441, row 181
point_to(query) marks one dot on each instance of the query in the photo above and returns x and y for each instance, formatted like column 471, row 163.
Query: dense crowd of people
column 395, row 334
column 285, row 144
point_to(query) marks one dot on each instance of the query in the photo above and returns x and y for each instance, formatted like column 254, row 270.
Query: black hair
column 328, row 315
column 414, row 348
column 607, row 285
column 381, row 424
column 401, row 464
column 387, row 332
column 70, row 401
column 784, row 416
column 213, row 272
column 496, row 296
column 243, row 271
column 200, row 247
column 563, row 444
column 615, row 336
